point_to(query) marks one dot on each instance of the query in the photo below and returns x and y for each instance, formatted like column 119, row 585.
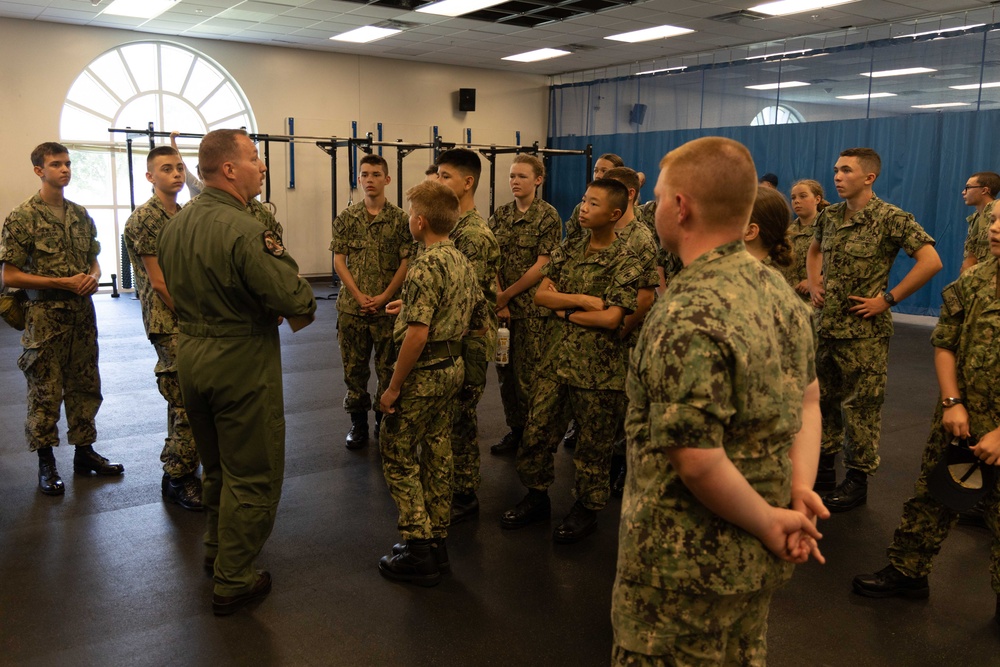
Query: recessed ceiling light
column 365, row 34
column 457, row 7
column 865, row 96
column 140, row 9
column 976, row 86
column 648, row 34
column 898, row 72
column 785, row 7
column 940, row 32
column 775, row 86
column 535, row 56
column 665, row 69
column 941, row 105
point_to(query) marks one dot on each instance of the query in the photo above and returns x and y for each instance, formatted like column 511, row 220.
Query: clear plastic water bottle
column 503, row 345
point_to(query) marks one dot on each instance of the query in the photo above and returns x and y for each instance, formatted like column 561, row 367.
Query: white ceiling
column 308, row 24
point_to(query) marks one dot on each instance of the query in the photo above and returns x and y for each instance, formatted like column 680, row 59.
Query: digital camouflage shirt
column 263, row 214
column 668, row 261
column 35, row 241
column 522, row 238
column 800, row 237
column 977, row 241
column 857, row 257
column 583, row 356
column 374, row 250
column 723, row 360
column 142, row 233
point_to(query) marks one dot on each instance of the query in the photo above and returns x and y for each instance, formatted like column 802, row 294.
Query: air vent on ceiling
column 742, row 16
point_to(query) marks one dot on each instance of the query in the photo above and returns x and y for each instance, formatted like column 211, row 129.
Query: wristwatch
column 889, row 298
column 951, row 402
column 567, row 313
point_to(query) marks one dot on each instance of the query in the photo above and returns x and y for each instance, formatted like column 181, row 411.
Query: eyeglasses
column 972, row 187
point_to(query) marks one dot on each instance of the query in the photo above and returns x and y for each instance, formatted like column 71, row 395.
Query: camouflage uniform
column 441, row 292
column 522, row 238
column 263, row 214
column 179, row 455
column 228, row 298
column 853, row 352
column 723, row 361
column 969, row 326
column 473, row 238
column 583, row 369
column 668, row 261
column 977, row 241
column 374, row 249
column 799, row 238
column 59, row 360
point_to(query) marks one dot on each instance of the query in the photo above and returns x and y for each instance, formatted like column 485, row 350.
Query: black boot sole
column 910, row 594
column 425, row 580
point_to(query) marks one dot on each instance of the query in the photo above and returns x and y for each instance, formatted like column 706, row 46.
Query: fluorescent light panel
column 898, row 72
column 976, row 86
column 649, row 34
column 941, row 31
column 457, row 7
column 777, row 55
column 535, row 56
column 941, row 105
column 775, row 86
column 665, row 69
column 785, row 7
column 140, row 9
column 365, row 34
column 865, row 96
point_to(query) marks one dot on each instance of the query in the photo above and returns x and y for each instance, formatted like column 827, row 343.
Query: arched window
column 777, row 114
column 167, row 84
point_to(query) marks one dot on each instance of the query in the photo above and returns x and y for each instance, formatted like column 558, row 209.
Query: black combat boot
column 49, row 481
column 508, row 444
column 378, row 423
column 438, row 549
column 416, row 565
column 464, row 506
column 86, row 461
column 571, row 436
column 851, row 493
column 579, row 523
column 184, row 491
column 826, row 475
column 357, row 437
column 890, row 582
column 533, row 507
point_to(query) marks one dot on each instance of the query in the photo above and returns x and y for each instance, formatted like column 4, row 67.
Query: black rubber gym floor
column 109, row 575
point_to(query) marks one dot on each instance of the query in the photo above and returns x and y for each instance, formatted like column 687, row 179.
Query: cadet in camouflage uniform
column 601, row 165
column 441, row 300
column 705, row 538
column 668, row 264
column 807, row 203
column 848, row 264
column 980, row 191
column 371, row 246
column 967, row 359
column 459, row 170
column 590, row 285
column 527, row 230
column 229, row 297
column 49, row 247
column 165, row 170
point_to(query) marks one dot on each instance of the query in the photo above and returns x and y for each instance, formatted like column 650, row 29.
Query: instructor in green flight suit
column 232, row 281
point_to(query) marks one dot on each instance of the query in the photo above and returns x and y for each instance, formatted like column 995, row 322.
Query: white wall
column 324, row 92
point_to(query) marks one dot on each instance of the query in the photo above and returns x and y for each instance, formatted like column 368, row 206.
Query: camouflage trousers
column 416, row 451
column 517, row 378
column 358, row 336
column 179, row 455
column 852, row 375
column 59, row 362
column 597, row 413
column 926, row 522
column 659, row 627
column 465, row 419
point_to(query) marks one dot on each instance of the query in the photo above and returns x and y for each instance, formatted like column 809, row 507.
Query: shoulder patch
column 272, row 245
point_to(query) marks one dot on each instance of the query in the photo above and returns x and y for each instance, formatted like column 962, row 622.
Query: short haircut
column 988, row 179
column 627, row 177
column 433, row 169
column 216, row 148
column 616, row 191
column 612, row 158
column 536, row 165
column 159, row 151
column 869, row 159
column 45, row 149
column 465, row 161
column 376, row 160
column 771, row 215
column 435, row 202
column 718, row 174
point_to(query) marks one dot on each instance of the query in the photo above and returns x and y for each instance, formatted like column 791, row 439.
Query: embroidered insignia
column 272, row 245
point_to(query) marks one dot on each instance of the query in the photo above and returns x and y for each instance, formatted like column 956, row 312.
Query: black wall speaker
column 637, row 114
column 466, row 99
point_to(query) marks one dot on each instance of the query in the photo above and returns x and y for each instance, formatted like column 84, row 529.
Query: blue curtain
column 926, row 159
